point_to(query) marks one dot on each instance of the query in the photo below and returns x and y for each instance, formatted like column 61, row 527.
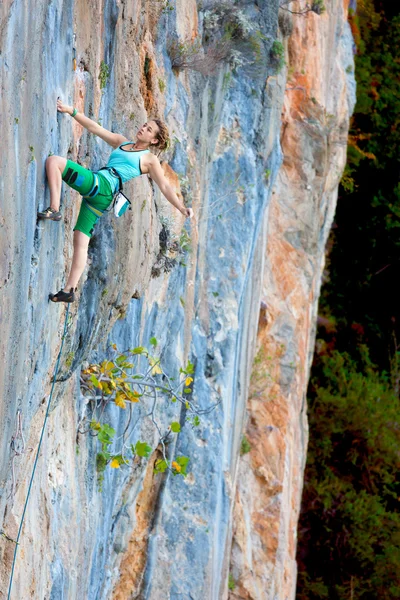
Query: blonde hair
column 162, row 135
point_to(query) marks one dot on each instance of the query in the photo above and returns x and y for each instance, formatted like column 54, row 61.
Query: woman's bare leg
column 55, row 166
column 81, row 243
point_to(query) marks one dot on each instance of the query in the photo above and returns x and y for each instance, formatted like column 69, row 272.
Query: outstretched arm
column 157, row 174
column 114, row 139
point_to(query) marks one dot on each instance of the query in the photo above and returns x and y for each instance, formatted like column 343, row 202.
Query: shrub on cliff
column 120, row 382
column 229, row 37
column 349, row 541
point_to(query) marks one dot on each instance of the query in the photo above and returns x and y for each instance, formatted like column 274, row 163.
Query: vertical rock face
column 145, row 535
column 319, row 98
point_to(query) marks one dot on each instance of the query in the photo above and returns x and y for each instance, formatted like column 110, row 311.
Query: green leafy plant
column 227, row 79
column 231, row 582
column 166, row 6
column 69, row 359
column 278, row 55
column 229, row 38
column 245, row 446
column 116, row 381
column 173, row 248
column 185, row 242
column 104, row 74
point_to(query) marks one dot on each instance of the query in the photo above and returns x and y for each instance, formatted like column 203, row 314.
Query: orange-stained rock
column 315, row 120
column 134, row 558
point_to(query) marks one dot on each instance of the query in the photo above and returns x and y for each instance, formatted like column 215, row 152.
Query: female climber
column 129, row 159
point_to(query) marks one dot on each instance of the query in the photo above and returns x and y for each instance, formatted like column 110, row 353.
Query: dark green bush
column 350, row 524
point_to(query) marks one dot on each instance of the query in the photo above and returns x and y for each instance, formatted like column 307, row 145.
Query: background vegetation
column 349, row 534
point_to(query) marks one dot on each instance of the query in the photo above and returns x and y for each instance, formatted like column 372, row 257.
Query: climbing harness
column 120, row 203
column 16, row 542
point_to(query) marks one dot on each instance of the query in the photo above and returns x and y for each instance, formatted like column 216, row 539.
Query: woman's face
column 148, row 133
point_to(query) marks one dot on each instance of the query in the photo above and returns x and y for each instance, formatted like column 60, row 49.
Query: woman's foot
column 62, row 296
column 50, row 213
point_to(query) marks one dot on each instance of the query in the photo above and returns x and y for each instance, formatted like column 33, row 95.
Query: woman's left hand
column 188, row 212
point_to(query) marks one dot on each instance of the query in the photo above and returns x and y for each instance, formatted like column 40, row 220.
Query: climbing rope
column 36, row 457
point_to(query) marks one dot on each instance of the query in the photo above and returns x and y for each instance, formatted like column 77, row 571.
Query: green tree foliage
column 350, row 523
column 364, row 261
column 349, row 534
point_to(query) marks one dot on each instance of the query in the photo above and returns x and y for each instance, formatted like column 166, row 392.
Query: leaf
column 106, row 366
column 175, row 427
column 106, row 388
column 95, row 425
column 95, row 382
column 142, row 449
column 134, row 396
column 106, row 434
column 190, row 367
column 188, row 380
column 118, row 458
column 138, row 350
column 114, row 346
column 102, row 459
column 176, row 466
column 120, row 399
column 196, row 421
column 183, row 462
column 187, row 391
column 120, row 359
column 153, row 362
column 173, row 399
column 187, row 404
column 160, row 466
column 153, row 341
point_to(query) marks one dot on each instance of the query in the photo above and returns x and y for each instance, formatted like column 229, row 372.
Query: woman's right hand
column 64, row 108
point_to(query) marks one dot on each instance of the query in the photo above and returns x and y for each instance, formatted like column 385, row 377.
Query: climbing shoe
column 62, row 296
column 50, row 213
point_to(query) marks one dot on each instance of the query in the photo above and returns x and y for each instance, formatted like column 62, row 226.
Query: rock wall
column 319, row 99
column 144, row 535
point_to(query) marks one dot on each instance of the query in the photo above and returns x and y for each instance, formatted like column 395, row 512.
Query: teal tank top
column 126, row 162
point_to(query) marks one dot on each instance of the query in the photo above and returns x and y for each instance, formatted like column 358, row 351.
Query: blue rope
column 37, row 456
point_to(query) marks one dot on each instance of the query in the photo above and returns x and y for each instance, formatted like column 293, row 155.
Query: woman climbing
column 129, row 159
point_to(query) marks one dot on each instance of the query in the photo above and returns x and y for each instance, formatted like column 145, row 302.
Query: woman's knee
column 56, row 161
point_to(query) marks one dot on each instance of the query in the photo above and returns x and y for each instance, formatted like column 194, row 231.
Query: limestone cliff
column 319, row 99
column 144, row 535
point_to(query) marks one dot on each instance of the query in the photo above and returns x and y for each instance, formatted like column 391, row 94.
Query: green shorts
column 96, row 192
